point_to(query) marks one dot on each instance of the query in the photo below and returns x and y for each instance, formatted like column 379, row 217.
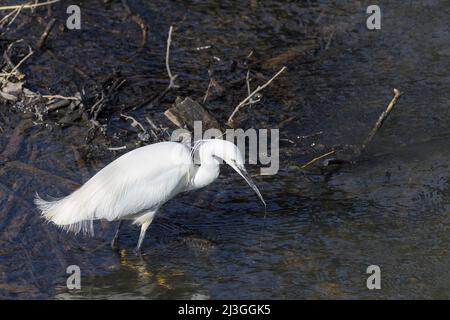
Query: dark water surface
column 319, row 236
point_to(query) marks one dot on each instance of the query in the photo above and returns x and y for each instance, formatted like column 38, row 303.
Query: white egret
column 137, row 184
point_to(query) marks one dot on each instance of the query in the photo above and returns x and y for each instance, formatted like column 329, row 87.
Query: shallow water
column 318, row 236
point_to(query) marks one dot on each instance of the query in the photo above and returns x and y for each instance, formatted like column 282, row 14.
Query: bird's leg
column 144, row 227
column 115, row 240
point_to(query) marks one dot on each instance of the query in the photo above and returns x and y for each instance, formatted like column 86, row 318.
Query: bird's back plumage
column 138, row 181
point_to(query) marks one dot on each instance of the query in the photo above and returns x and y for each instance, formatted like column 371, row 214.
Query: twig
column 15, row 16
column 143, row 136
column 117, row 148
column 171, row 77
column 248, row 56
column 138, row 20
column 45, row 34
column 97, row 107
column 16, row 12
column 8, row 61
column 52, row 97
column 202, row 48
column 107, row 94
column 154, row 127
column 155, row 99
column 144, row 29
column 311, row 135
column 381, row 120
column 20, row 63
column 207, row 90
column 249, row 89
column 134, row 122
column 28, row 6
column 33, row 9
column 58, row 105
column 151, row 123
column 157, row 129
column 317, row 159
column 368, row 140
column 247, row 81
column 243, row 102
column 9, row 14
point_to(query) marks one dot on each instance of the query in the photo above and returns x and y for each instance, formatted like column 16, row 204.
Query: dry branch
column 45, row 34
column 138, row 20
column 249, row 97
column 16, row 67
column 306, row 165
column 171, row 77
column 117, row 148
column 15, row 12
column 144, row 28
column 10, row 14
column 58, row 105
column 28, row 6
column 358, row 151
column 57, row 96
column 150, row 103
column 134, row 122
column 381, row 119
column 207, row 90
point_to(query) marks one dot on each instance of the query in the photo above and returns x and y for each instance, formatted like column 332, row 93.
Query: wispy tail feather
column 56, row 211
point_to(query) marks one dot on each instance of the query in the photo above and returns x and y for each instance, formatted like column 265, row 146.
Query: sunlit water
column 318, row 236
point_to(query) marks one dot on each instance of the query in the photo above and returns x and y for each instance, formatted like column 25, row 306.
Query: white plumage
column 135, row 185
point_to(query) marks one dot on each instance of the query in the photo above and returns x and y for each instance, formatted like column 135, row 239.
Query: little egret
column 137, row 184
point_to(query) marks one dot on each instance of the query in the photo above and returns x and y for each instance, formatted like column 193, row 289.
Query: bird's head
column 231, row 155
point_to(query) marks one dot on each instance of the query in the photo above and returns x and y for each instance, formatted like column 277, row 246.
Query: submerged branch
column 360, row 150
column 381, row 120
column 306, row 165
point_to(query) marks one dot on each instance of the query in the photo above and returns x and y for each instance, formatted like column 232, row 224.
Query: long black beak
column 244, row 174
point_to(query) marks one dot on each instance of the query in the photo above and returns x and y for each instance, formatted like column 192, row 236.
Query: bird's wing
column 138, row 181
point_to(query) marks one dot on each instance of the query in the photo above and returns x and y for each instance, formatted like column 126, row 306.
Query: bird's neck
column 209, row 168
column 204, row 175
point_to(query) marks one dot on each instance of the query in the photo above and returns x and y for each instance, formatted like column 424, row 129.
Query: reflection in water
column 319, row 236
